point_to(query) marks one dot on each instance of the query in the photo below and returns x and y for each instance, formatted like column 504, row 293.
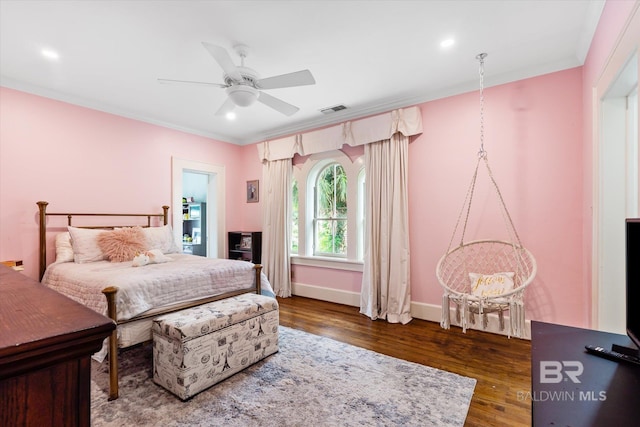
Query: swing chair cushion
column 491, row 285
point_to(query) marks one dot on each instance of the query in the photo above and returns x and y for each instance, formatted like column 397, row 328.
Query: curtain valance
column 407, row 121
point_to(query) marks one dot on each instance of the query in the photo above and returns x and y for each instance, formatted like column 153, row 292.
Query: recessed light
column 447, row 43
column 230, row 115
column 50, row 54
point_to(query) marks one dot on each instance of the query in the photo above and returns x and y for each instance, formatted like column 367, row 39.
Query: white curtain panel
column 386, row 291
column 276, row 230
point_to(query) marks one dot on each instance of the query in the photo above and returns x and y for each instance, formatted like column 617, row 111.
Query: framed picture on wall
column 253, row 193
column 246, row 242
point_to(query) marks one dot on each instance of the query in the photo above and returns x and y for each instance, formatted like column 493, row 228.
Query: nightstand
column 15, row 264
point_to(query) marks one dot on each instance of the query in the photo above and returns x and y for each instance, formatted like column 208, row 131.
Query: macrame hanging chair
column 485, row 276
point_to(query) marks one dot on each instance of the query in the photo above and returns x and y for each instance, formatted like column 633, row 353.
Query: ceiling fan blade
column 227, row 107
column 298, row 78
column 277, row 104
column 222, row 57
column 190, row 82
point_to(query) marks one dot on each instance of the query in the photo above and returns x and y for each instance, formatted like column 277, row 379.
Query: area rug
column 311, row 381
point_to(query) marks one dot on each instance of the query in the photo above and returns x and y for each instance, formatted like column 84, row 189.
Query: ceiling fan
column 244, row 86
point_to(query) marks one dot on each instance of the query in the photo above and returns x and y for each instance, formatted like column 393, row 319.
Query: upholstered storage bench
column 198, row 347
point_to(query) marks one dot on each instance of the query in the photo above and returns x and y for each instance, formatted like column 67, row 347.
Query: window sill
column 327, row 262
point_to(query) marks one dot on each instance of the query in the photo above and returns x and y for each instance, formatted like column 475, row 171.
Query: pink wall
column 251, row 213
column 533, row 134
column 79, row 159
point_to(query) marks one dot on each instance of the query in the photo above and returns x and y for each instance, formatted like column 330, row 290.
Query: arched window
column 330, row 213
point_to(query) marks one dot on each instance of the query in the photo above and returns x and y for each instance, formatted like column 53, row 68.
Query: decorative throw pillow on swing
column 491, row 285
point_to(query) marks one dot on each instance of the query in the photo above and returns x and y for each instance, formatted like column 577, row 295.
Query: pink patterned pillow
column 122, row 244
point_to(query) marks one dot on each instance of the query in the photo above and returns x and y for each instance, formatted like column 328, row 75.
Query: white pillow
column 85, row 245
column 491, row 285
column 161, row 238
column 64, row 250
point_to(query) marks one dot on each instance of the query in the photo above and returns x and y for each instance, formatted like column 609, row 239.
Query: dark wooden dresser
column 46, row 342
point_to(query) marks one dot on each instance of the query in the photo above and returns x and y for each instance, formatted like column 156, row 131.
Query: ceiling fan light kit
column 242, row 95
column 244, row 87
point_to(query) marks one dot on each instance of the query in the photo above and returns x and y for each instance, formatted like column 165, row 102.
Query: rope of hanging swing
column 482, row 155
column 480, row 57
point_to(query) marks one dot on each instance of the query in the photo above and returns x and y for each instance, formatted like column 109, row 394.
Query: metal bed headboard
column 43, row 225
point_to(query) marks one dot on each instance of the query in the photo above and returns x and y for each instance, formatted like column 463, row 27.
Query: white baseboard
column 326, row 294
column 419, row 310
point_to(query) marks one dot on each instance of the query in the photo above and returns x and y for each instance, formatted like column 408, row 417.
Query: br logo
column 553, row 371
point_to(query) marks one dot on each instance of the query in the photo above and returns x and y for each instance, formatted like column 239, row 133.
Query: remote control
column 610, row 354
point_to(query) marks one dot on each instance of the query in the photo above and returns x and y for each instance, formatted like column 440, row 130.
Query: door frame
column 609, row 133
column 216, row 220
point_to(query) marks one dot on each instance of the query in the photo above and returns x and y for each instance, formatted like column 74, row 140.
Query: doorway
column 617, row 195
column 195, row 235
column 214, row 175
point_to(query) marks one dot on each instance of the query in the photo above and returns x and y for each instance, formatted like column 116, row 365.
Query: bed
column 94, row 265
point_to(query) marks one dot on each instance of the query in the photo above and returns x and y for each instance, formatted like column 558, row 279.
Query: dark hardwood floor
column 499, row 364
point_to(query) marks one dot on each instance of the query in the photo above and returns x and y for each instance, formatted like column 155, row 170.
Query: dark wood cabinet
column 245, row 245
column 46, row 343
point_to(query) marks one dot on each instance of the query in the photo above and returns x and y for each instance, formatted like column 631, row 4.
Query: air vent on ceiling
column 333, row 109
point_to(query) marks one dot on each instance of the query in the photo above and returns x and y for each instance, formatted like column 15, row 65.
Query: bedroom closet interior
column 194, row 213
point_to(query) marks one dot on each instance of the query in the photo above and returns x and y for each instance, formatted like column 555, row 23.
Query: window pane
column 340, row 238
column 331, row 237
column 331, row 211
column 325, row 193
column 340, row 192
column 331, row 192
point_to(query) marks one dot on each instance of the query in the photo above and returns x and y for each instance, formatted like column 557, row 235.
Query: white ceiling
column 371, row 56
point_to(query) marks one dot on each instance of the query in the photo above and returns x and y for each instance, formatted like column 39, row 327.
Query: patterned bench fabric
column 196, row 348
